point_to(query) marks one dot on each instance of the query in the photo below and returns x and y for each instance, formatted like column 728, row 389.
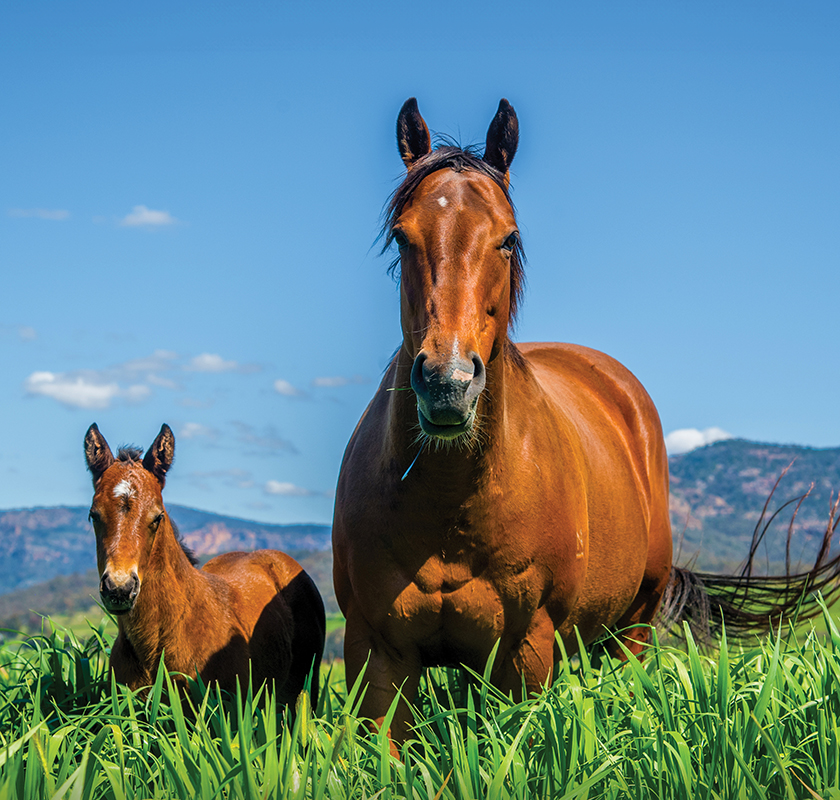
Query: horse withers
column 253, row 613
column 495, row 493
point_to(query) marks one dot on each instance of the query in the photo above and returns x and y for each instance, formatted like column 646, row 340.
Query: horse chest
column 452, row 603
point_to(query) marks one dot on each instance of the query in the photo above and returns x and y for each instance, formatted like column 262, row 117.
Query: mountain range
column 47, row 558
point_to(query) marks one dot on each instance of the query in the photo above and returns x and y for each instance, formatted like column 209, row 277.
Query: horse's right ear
column 97, row 453
column 161, row 454
column 413, row 138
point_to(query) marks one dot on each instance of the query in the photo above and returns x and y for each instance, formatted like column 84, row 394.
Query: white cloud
column 285, row 489
column 211, row 362
column 84, row 388
column 265, row 442
column 687, row 439
column 337, row 381
column 55, row 214
column 76, row 391
column 195, row 430
column 287, row 389
column 234, row 478
column 141, row 216
column 27, row 333
column 157, row 361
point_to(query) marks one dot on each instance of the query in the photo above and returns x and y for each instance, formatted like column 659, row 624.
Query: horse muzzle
column 118, row 593
column 447, row 394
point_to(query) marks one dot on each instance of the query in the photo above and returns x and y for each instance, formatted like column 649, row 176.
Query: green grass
column 756, row 722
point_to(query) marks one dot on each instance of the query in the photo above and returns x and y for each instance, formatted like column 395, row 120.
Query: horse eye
column 510, row 242
column 93, row 516
column 156, row 521
column 401, row 239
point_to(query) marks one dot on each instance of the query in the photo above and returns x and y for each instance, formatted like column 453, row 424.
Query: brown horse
column 493, row 492
column 243, row 611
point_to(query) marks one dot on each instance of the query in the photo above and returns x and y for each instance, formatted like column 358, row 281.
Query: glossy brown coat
column 539, row 499
column 257, row 612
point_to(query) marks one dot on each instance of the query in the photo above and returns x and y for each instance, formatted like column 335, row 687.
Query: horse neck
column 171, row 586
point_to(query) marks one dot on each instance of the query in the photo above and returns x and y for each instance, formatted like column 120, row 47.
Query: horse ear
column 502, row 138
column 413, row 138
column 97, row 453
column 161, row 454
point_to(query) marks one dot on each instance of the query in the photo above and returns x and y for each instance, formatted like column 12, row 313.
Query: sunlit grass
column 755, row 722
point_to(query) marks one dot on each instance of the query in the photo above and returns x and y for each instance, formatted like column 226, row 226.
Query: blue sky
column 191, row 196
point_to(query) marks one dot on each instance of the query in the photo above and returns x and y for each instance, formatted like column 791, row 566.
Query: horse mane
column 450, row 155
column 129, row 454
column 188, row 551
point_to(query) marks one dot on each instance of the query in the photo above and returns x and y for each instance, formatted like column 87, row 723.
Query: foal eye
column 510, row 242
column 401, row 239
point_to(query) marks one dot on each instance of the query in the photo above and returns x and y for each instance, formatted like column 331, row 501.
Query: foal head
column 460, row 266
column 127, row 512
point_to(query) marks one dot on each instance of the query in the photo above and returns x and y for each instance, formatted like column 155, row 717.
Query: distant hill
column 47, row 561
column 718, row 492
column 38, row 544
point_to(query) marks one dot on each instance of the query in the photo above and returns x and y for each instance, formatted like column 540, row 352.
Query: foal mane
column 130, row 454
column 459, row 159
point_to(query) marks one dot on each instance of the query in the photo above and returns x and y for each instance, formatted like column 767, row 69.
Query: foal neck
column 171, row 585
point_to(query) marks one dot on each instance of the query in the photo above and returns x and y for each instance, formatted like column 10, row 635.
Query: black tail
column 748, row 604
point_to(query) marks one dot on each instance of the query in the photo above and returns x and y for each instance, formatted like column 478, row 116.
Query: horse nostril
column 418, row 374
column 478, row 379
column 478, row 368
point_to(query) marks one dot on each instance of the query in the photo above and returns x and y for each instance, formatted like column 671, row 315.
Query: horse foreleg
column 530, row 658
column 387, row 673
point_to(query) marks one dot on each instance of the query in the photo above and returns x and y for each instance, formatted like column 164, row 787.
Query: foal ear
column 502, row 138
column 161, row 454
column 97, row 453
column 413, row 138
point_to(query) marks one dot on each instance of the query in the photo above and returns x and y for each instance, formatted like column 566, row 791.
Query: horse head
column 127, row 512
column 460, row 266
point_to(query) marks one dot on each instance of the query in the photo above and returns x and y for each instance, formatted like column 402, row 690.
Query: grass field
column 756, row 722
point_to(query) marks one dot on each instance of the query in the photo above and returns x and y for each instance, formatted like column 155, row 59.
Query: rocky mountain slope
column 718, row 493
column 38, row 544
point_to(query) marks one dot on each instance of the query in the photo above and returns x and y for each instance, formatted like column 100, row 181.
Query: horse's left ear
column 502, row 138
column 161, row 454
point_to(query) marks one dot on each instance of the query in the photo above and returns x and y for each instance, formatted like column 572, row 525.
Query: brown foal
column 244, row 613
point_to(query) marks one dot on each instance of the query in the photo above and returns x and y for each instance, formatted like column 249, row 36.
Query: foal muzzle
column 118, row 593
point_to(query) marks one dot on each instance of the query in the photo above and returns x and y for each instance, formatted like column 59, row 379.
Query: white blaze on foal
column 124, row 489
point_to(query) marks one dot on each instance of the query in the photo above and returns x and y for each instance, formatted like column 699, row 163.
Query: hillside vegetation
column 718, row 493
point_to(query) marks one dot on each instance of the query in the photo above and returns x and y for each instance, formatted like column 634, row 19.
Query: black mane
column 188, row 551
column 129, row 454
column 459, row 159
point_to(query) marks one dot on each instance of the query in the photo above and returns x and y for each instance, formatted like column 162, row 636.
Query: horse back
column 282, row 612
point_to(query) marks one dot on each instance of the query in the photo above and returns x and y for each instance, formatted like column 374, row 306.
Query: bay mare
column 500, row 492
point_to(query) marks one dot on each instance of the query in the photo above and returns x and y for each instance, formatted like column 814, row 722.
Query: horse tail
column 748, row 604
